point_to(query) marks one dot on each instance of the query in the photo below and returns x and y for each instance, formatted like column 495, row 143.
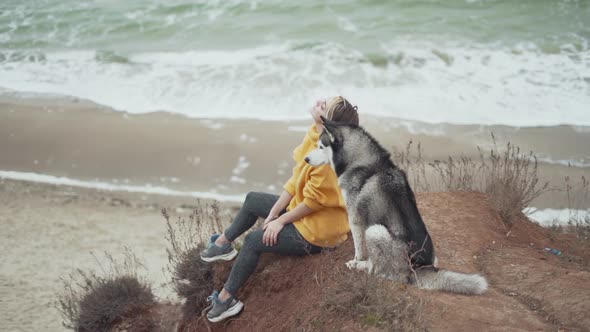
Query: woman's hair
column 341, row 110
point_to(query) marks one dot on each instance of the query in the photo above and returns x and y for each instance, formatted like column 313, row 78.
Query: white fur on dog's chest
column 344, row 195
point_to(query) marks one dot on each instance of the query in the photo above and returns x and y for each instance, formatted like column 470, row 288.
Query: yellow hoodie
column 317, row 188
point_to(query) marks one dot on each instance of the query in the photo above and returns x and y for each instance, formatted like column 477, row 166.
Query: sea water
column 518, row 63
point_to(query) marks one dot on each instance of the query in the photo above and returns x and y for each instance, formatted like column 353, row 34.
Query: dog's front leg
column 360, row 247
column 360, row 244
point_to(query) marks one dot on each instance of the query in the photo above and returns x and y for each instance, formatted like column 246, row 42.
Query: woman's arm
column 274, row 227
column 280, row 205
column 297, row 213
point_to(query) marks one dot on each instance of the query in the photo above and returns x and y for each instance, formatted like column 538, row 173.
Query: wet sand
column 81, row 140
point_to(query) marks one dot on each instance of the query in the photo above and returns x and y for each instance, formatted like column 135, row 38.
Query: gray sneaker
column 215, row 253
column 222, row 310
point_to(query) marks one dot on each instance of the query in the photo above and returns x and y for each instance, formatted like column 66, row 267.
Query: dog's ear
column 329, row 127
column 328, row 123
column 328, row 130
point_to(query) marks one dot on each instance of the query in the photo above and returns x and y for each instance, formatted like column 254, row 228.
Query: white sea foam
column 554, row 217
column 581, row 162
column 194, row 160
column 237, row 179
column 148, row 189
column 249, row 139
column 238, row 170
column 433, row 82
column 212, row 124
column 346, row 24
column 241, row 166
column 169, row 179
column 416, row 129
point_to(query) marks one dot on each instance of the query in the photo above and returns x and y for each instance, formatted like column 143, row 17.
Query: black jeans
column 289, row 241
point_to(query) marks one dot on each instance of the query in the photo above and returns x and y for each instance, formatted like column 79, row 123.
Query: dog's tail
column 468, row 284
column 390, row 260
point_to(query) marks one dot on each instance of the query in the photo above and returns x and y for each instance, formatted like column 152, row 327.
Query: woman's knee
column 252, row 202
column 251, row 196
column 249, row 200
column 252, row 240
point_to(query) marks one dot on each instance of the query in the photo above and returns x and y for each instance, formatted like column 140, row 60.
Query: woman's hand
column 318, row 110
column 268, row 220
column 271, row 232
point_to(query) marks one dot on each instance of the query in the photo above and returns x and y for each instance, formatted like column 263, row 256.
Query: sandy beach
column 50, row 231
column 68, row 137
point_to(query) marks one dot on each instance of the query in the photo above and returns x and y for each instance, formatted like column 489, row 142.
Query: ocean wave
column 580, row 162
column 110, row 57
column 423, row 81
column 556, row 217
column 147, row 189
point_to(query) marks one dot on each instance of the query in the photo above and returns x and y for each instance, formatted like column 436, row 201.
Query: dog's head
column 345, row 146
column 329, row 142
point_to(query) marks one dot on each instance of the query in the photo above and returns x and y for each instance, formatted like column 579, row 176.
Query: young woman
column 308, row 216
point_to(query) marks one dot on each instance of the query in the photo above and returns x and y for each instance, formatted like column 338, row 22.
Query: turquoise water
column 183, row 25
column 512, row 62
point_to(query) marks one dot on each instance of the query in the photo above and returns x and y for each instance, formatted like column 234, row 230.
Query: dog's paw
column 360, row 258
column 351, row 264
column 359, row 265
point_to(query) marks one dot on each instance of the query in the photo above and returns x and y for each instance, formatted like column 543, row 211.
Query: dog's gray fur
column 390, row 237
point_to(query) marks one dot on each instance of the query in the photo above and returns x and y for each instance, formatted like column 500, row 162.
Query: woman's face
column 319, row 109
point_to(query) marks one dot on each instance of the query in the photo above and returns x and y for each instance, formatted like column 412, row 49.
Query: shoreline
column 545, row 217
column 62, row 102
column 109, row 187
column 82, row 141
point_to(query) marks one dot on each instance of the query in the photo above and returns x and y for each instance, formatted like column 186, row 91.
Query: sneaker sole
column 228, row 313
column 225, row 257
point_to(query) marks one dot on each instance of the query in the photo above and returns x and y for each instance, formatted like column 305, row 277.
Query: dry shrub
column 456, row 174
column 410, row 160
column 439, row 175
column 372, row 301
column 204, row 220
column 509, row 178
column 192, row 278
column 93, row 301
column 578, row 202
column 581, row 227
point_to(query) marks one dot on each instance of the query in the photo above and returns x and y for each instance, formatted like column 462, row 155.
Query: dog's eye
column 321, row 147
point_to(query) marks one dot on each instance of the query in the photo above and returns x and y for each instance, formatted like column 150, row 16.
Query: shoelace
column 209, row 306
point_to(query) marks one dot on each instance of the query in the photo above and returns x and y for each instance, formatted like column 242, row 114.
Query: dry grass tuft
column 577, row 199
column 93, row 301
column 508, row 177
column 192, row 278
column 410, row 160
column 372, row 301
column 581, row 227
column 511, row 180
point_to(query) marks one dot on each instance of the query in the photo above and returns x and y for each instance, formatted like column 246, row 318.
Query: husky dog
column 390, row 237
